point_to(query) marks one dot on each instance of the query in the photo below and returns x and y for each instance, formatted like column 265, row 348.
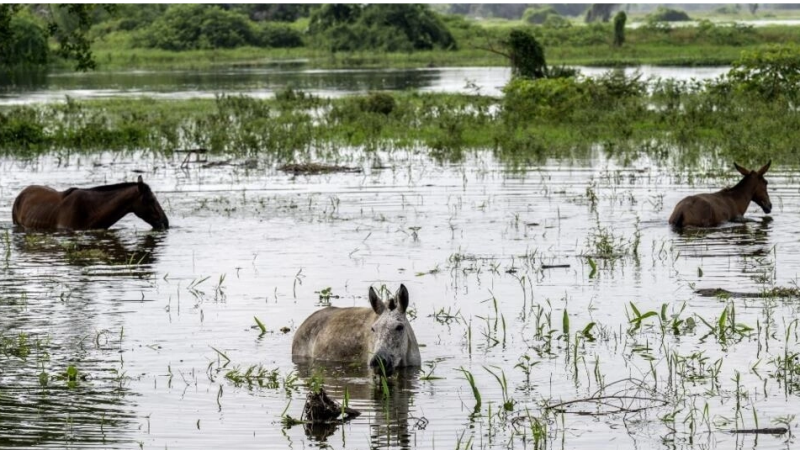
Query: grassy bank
column 562, row 118
column 702, row 45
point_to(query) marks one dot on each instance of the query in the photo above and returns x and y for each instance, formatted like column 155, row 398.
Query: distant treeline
column 25, row 30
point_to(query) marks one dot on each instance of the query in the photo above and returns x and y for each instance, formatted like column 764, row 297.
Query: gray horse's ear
column 376, row 302
column 741, row 169
column 764, row 169
column 402, row 298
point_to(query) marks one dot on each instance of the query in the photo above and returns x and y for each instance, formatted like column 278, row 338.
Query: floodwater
column 264, row 82
column 157, row 325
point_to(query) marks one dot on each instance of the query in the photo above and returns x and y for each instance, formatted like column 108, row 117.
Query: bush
column 727, row 10
column 771, row 72
column 619, row 28
column 546, row 98
column 663, row 14
column 555, row 22
column 278, row 36
column 378, row 102
column 538, row 16
column 191, row 27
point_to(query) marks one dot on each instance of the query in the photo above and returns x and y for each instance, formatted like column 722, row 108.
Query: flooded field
column 553, row 305
column 264, row 82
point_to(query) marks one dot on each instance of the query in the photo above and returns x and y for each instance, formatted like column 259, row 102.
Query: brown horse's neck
column 741, row 195
column 113, row 205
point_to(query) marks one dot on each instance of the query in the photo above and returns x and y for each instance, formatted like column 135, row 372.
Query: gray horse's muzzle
column 382, row 363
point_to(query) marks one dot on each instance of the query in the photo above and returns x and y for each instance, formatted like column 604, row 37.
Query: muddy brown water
column 145, row 317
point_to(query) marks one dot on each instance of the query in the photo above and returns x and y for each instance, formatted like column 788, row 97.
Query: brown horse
column 45, row 209
column 710, row 210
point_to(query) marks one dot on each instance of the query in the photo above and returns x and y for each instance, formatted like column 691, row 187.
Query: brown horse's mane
column 112, row 187
column 103, row 188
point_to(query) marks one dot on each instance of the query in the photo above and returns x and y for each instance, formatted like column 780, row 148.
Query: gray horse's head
column 389, row 332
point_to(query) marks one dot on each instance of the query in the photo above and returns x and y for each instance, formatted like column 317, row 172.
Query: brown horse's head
column 755, row 180
column 147, row 208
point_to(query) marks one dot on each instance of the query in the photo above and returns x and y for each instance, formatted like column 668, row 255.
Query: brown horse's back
column 702, row 210
column 36, row 207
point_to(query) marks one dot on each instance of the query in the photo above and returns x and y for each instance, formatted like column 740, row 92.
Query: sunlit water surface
column 153, row 321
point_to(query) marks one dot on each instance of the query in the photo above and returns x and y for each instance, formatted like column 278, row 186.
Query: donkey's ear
column 764, row 169
column 376, row 302
column 140, row 180
column 741, row 169
column 402, row 298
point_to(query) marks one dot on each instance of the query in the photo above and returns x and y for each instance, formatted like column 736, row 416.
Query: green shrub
column 556, row 22
column 772, row 72
column 378, row 102
column 663, row 14
column 619, row 28
column 546, row 98
column 277, row 36
column 539, row 15
column 727, row 10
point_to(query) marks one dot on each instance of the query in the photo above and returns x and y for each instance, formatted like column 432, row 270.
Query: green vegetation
column 738, row 117
column 539, row 15
column 23, row 36
column 193, row 27
column 619, row 28
column 194, row 36
column 663, row 14
column 383, row 27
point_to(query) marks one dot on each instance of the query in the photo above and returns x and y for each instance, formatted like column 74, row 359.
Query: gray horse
column 377, row 336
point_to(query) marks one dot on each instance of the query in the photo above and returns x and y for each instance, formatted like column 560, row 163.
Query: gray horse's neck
column 412, row 357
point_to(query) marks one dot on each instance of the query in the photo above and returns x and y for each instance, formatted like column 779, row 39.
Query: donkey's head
column 390, row 332
column 147, row 208
column 755, row 181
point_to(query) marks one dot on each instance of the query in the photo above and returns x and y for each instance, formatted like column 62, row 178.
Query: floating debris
column 769, row 293
column 316, row 168
column 320, row 408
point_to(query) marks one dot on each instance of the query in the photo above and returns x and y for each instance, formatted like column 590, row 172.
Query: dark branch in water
column 776, row 430
column 626, row 401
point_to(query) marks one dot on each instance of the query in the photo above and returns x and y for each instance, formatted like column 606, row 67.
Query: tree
column 68, row 24
column 619, row 28
column 753, row 8
column 386, row 27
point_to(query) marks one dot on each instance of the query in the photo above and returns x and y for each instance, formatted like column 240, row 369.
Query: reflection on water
column 264, row 82
column 385, row 409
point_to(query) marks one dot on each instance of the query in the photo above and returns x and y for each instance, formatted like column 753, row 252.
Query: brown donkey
column 45, row 209
column 710, row 210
